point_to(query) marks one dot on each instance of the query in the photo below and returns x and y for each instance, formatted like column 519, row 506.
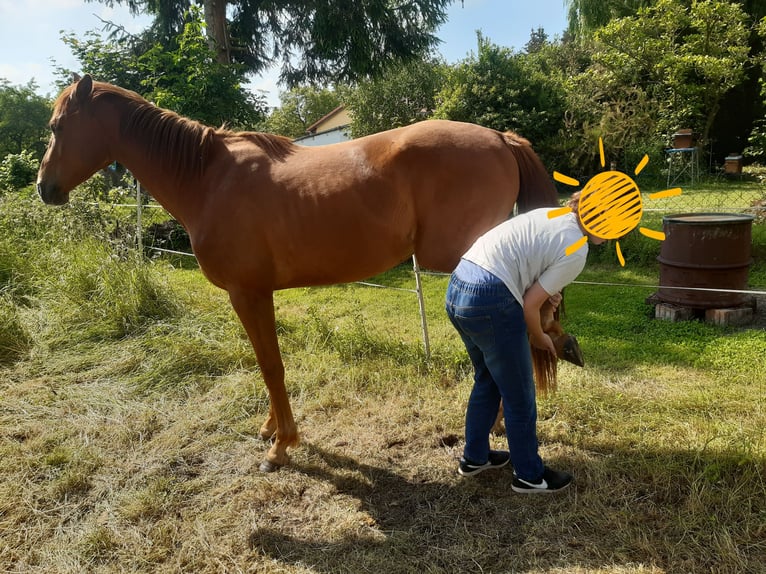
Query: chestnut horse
column 264, row 214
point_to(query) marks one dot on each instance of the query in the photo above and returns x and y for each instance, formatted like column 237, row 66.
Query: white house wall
column 329, row 137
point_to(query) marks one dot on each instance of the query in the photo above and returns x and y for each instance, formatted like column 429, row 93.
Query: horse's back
column 347, row 211
column 433, row 136
column 462, row 179
column 443, row 183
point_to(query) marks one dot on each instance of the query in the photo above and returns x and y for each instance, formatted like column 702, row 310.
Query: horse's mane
column 182, row 144
column 544, row 363
column 545, row 366
column 276, row 147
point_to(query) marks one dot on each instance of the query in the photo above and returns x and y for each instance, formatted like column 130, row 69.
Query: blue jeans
column 491, row 324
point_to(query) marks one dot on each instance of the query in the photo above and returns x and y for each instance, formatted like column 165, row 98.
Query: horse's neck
column 546, row 315
column 161, row 188
column 178, row 197
column 548, row 320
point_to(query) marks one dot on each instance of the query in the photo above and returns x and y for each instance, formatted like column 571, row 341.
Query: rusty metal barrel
column 705, row 250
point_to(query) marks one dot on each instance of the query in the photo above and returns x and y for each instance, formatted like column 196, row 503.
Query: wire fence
column 740, row 194
column 696, row 197
column 715, row 195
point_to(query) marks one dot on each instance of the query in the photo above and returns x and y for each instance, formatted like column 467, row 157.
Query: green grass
column 128, row 436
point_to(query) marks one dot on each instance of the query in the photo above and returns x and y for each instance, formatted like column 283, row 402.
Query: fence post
column 139, row 231
column 422, row 305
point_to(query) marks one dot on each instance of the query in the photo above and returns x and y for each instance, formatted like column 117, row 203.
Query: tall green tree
column 324, row 41
column 685, row 60
column 106, row 60
column 23, row 119
column 586, row 16
column 183, row 76
column 190, row 81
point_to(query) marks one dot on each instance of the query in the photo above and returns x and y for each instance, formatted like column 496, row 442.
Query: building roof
column 337, row 117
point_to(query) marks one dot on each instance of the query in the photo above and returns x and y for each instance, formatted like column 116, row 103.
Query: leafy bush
column 18, row 170
column 111, row 185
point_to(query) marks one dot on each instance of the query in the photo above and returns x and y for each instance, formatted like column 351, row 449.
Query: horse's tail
column 536, row 188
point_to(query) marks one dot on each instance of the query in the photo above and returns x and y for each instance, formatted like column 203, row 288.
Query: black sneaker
column 497, row 459
column 551, row 481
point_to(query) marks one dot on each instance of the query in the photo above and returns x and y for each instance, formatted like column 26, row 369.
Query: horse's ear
column 75, row 77
column 83, row 89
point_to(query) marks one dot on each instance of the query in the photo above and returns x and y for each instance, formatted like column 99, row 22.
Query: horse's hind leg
column 256, row 311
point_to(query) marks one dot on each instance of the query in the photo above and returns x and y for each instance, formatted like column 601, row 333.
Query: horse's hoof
column 268, row 466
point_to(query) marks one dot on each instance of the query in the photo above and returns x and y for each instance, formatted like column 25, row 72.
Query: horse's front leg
column 269, row 426
column 256, row 311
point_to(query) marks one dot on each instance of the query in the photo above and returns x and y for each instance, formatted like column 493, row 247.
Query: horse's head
column 543, row 362
column 567, row 347
column 76, row 149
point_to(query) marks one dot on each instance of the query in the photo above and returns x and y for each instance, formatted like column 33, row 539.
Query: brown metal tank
column 707, row 250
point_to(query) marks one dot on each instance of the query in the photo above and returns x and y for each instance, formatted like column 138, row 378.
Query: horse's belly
column 356, row 258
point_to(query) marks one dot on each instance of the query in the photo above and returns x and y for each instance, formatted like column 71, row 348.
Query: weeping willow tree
column 586, row 16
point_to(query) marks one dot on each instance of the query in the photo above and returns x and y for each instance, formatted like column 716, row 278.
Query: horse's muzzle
column 51, row 194
column 568, row 349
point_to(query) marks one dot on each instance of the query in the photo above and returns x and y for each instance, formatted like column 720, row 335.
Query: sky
column 30, row 33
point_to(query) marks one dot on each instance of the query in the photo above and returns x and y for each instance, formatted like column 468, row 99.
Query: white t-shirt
column 531, row 247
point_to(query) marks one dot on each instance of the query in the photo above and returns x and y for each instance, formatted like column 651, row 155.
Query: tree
column 183, row 77
column 301, row 107
column 500, row 89
column 757, row 137
column 586, row 16
column 738, row 107
column 191, row 82
column 312, row 41
column 23, row 119
column 538, row 39
column 403, row 95
column 685, row 60
column 107, row 61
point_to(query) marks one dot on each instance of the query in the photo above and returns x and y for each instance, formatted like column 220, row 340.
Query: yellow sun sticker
column 610, row 205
